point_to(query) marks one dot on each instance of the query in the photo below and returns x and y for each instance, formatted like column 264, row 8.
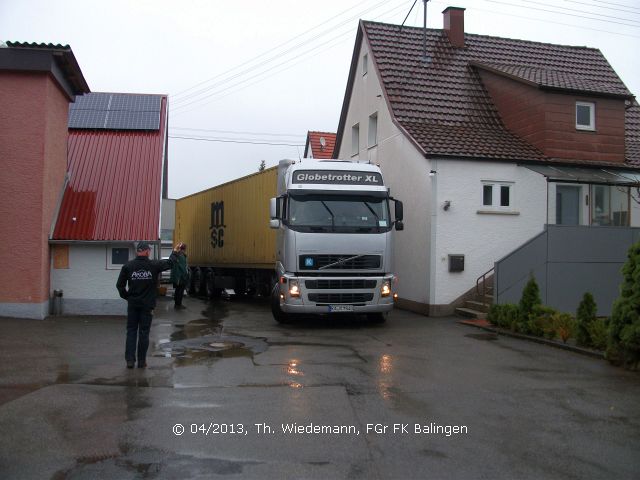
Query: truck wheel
column 278, row 314
column 377, row 317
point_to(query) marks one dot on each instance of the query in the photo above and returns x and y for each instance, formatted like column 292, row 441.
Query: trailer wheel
column 194, row 281
column 377, row 317
column 278, row 314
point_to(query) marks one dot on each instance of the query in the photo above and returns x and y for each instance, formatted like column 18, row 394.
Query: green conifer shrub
column 623, row 343
column 529, row 300
column 585, row 315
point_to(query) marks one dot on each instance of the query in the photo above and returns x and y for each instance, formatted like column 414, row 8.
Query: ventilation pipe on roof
column 425, row 56
column 454, row 25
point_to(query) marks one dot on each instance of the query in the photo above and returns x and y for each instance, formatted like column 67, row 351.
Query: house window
column 365, row 64
column 373, row 130
column 355, row 139
column 497, row 195
column 585, row 116
column 117, row 256
column 610, row 205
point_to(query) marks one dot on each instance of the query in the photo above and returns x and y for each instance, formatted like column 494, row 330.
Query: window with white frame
column 365, row 64
column 117, row 256
column 355, row 139
column 497, row 195
column 585, row 116
column 373, row 130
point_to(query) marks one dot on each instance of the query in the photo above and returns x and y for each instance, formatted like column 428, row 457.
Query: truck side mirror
column 399, row 215
column 274, row 213
column 399, row 211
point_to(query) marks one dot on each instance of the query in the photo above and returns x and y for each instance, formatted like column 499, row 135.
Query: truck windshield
column 343, row 213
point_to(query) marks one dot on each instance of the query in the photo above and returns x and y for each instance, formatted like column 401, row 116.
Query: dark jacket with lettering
column 138, row 280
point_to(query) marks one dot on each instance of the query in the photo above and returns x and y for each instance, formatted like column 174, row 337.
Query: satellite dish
column 323, row 142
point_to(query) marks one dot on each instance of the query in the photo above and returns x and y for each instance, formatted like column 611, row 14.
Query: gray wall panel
column 567, row 262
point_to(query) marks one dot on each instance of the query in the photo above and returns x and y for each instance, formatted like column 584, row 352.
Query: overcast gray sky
column 266, row 72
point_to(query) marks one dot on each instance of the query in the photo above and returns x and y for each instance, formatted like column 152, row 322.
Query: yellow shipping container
column 228, row 225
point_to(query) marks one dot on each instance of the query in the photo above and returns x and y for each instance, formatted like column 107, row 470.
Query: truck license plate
column 340, row 308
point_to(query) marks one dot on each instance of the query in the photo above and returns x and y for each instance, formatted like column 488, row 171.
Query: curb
column 544, row 341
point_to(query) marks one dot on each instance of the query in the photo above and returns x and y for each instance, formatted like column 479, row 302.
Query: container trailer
column 315, row 235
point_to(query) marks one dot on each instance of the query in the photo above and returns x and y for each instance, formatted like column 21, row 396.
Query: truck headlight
column 294, row 288
column 385, row 289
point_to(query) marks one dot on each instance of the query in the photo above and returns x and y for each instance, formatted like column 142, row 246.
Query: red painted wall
column 547, row 120
column 33, row 159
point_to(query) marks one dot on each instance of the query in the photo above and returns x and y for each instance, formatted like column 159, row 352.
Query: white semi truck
column 334, row 240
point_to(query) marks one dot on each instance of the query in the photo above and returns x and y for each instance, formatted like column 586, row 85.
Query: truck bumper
column 318, row 295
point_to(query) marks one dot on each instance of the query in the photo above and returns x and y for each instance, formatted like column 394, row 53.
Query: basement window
column 585, row 116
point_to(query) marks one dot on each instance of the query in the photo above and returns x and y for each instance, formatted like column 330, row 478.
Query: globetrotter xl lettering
column 337, row 177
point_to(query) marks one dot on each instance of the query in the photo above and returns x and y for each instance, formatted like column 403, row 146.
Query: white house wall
column 405, row 171
column 89, row 288
column 482, row 238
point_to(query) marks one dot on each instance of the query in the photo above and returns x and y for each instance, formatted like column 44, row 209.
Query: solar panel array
column 115, row 111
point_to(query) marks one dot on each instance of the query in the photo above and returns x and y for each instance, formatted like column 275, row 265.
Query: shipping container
column 226, row 229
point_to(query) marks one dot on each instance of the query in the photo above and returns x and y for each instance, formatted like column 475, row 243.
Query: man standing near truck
column 179, row 275
column 138, row 285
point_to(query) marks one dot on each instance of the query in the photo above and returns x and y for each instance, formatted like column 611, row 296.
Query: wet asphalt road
column 233, row 379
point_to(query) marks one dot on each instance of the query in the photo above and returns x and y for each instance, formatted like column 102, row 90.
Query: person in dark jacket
column 138, row 285
column 179, row 275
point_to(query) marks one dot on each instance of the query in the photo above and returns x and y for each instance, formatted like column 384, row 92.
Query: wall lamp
column 447, row 205
column 432, row 173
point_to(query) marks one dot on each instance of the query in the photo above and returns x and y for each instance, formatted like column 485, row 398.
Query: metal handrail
column 483, row 278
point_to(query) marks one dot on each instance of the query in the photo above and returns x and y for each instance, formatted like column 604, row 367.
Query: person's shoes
column 142, row 365
column 130, row 364
column 179, row 307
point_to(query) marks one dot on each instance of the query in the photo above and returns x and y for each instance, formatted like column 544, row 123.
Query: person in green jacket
column 180, row 275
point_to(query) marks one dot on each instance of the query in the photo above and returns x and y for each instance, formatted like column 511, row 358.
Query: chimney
column 454, row 26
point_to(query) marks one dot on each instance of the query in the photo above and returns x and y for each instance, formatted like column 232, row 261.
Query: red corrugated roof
column 317, row 150
column 114, row 188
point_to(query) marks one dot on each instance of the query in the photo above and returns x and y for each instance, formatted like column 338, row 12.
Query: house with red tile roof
column 319, row 145
column 490, row 142
column 37, row 83
column 116, row 178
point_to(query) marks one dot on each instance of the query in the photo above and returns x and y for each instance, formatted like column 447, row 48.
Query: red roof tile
column 317, row 150
column 443, row 104
column 114, row 187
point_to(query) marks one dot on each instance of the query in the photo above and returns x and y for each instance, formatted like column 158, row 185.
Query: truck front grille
column 340, row 262
column 339, row 284
column 340, row 297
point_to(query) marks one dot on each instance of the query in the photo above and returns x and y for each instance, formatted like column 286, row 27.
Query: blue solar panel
column 115, row 111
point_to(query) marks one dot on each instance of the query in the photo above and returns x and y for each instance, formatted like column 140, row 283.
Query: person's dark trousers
column 138, row 326
column 178, row 293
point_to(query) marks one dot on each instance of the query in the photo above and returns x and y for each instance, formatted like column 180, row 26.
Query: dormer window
column 585, row 116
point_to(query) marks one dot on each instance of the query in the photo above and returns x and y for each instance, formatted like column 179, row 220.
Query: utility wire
column 575, row 10
column 269, row 51
column 600, row 5
column 235, row 132
column 228, row 140
column 274, row 55
column 216, row 95
column 559, row 13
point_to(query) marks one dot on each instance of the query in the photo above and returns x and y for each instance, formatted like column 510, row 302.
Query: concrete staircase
column 478, row 306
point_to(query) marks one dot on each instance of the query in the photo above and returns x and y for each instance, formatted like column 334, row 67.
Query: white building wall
column 405, row 171
column 89, row 287
column 483, row 238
